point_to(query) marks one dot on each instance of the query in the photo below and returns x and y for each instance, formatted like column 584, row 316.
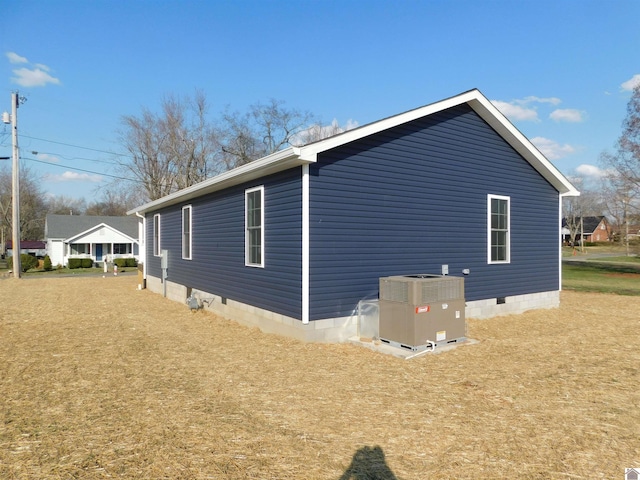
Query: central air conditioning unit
column 421, row 311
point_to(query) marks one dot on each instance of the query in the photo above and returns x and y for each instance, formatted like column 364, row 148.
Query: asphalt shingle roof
column 66, row 226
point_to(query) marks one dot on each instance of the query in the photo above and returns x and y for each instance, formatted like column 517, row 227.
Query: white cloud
column 15, row 58
column 552, row 149
column 524, row 109
column 45, row 157
column 632, row 83
column 567, row 115
column 75, row 177
column 514, row 111
column 534, row 99
column 33, row 77
column 591, row 171
column 36, row 75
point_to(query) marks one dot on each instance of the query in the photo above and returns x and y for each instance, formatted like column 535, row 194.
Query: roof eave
column 490, row 114
column 483, row 107
column 274, row 163
column 296, row 156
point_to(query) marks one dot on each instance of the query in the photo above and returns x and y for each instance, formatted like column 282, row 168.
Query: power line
column 75, row 146
column 82, row 170
column 108, row 162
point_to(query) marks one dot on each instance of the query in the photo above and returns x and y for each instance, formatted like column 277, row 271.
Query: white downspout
column 560, row 197
column 142, row 245
column 305, row 244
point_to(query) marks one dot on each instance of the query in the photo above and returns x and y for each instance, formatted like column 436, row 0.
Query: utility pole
column 15, row 195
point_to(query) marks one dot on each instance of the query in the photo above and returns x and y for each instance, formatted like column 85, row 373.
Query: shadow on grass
column 368, row 463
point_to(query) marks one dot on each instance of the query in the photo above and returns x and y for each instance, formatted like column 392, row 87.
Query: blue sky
column 561, row 70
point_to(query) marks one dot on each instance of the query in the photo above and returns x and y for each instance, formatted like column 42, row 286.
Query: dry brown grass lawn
column 100, row 380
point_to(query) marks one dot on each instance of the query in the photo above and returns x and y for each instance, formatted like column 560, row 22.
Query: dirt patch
column 100, row 380
column 621, row 275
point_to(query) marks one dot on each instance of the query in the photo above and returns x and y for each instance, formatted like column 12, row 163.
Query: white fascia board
column 96, row 228
column 483, row 107
column 276, row 162
column 311, row 151
column 490, row 114
column 296, row 156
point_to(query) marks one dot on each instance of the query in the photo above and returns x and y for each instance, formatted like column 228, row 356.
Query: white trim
column 297, row 156
column 190, row 232
column 560, row 242
column 98, row 227
column 508, row 199
column 305, row 244
column 157, row 245
column 247, row 263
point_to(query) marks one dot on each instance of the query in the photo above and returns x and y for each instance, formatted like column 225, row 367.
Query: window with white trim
column 156, row 235
column 121, row 248
column 80, row 249
column 499, row 222
column 186, row 232
column 254, row 227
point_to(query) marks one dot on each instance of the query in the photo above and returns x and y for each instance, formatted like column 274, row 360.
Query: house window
column 156, row 235
column 186, row 232
column 498, row 221
column 121, row 248
column 80, row 249
column 254, row 231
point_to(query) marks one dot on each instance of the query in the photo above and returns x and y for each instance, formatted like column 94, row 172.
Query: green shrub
column 87, row 263
column 125, row 262
column 74, row 263
column 28, row 262
column 47, row 266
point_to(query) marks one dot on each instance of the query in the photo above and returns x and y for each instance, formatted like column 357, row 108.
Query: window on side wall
column 186, row 232
column 499, row 221
column 156, row 235
column 254, row 227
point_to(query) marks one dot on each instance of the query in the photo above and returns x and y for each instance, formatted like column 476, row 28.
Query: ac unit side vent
column 395, row 291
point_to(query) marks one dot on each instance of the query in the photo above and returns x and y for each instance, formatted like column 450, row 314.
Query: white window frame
column 247, row 227
column 490, row 230
column 187, row 237
column 156, row 235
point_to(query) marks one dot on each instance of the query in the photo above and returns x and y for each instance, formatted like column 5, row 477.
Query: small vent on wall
column 501, row 300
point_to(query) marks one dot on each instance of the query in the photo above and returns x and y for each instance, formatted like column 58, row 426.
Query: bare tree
column 264, row 129
column 181, row 146
column 626, row 159
column 589, row 203
column 63, row 205
column 317, row 132
column 171, row 150
column 33, row 206
column 114, row 202
column 622, row 200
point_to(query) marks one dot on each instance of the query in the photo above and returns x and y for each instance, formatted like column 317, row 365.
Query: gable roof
column 67, row 226
column 296, row 156
column 589, row 224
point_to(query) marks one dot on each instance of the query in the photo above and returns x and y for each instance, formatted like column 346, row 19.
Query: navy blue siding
column 412, row 198
column 218, row 259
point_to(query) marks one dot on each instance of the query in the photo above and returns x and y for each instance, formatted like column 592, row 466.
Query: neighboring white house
column 101, row 238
